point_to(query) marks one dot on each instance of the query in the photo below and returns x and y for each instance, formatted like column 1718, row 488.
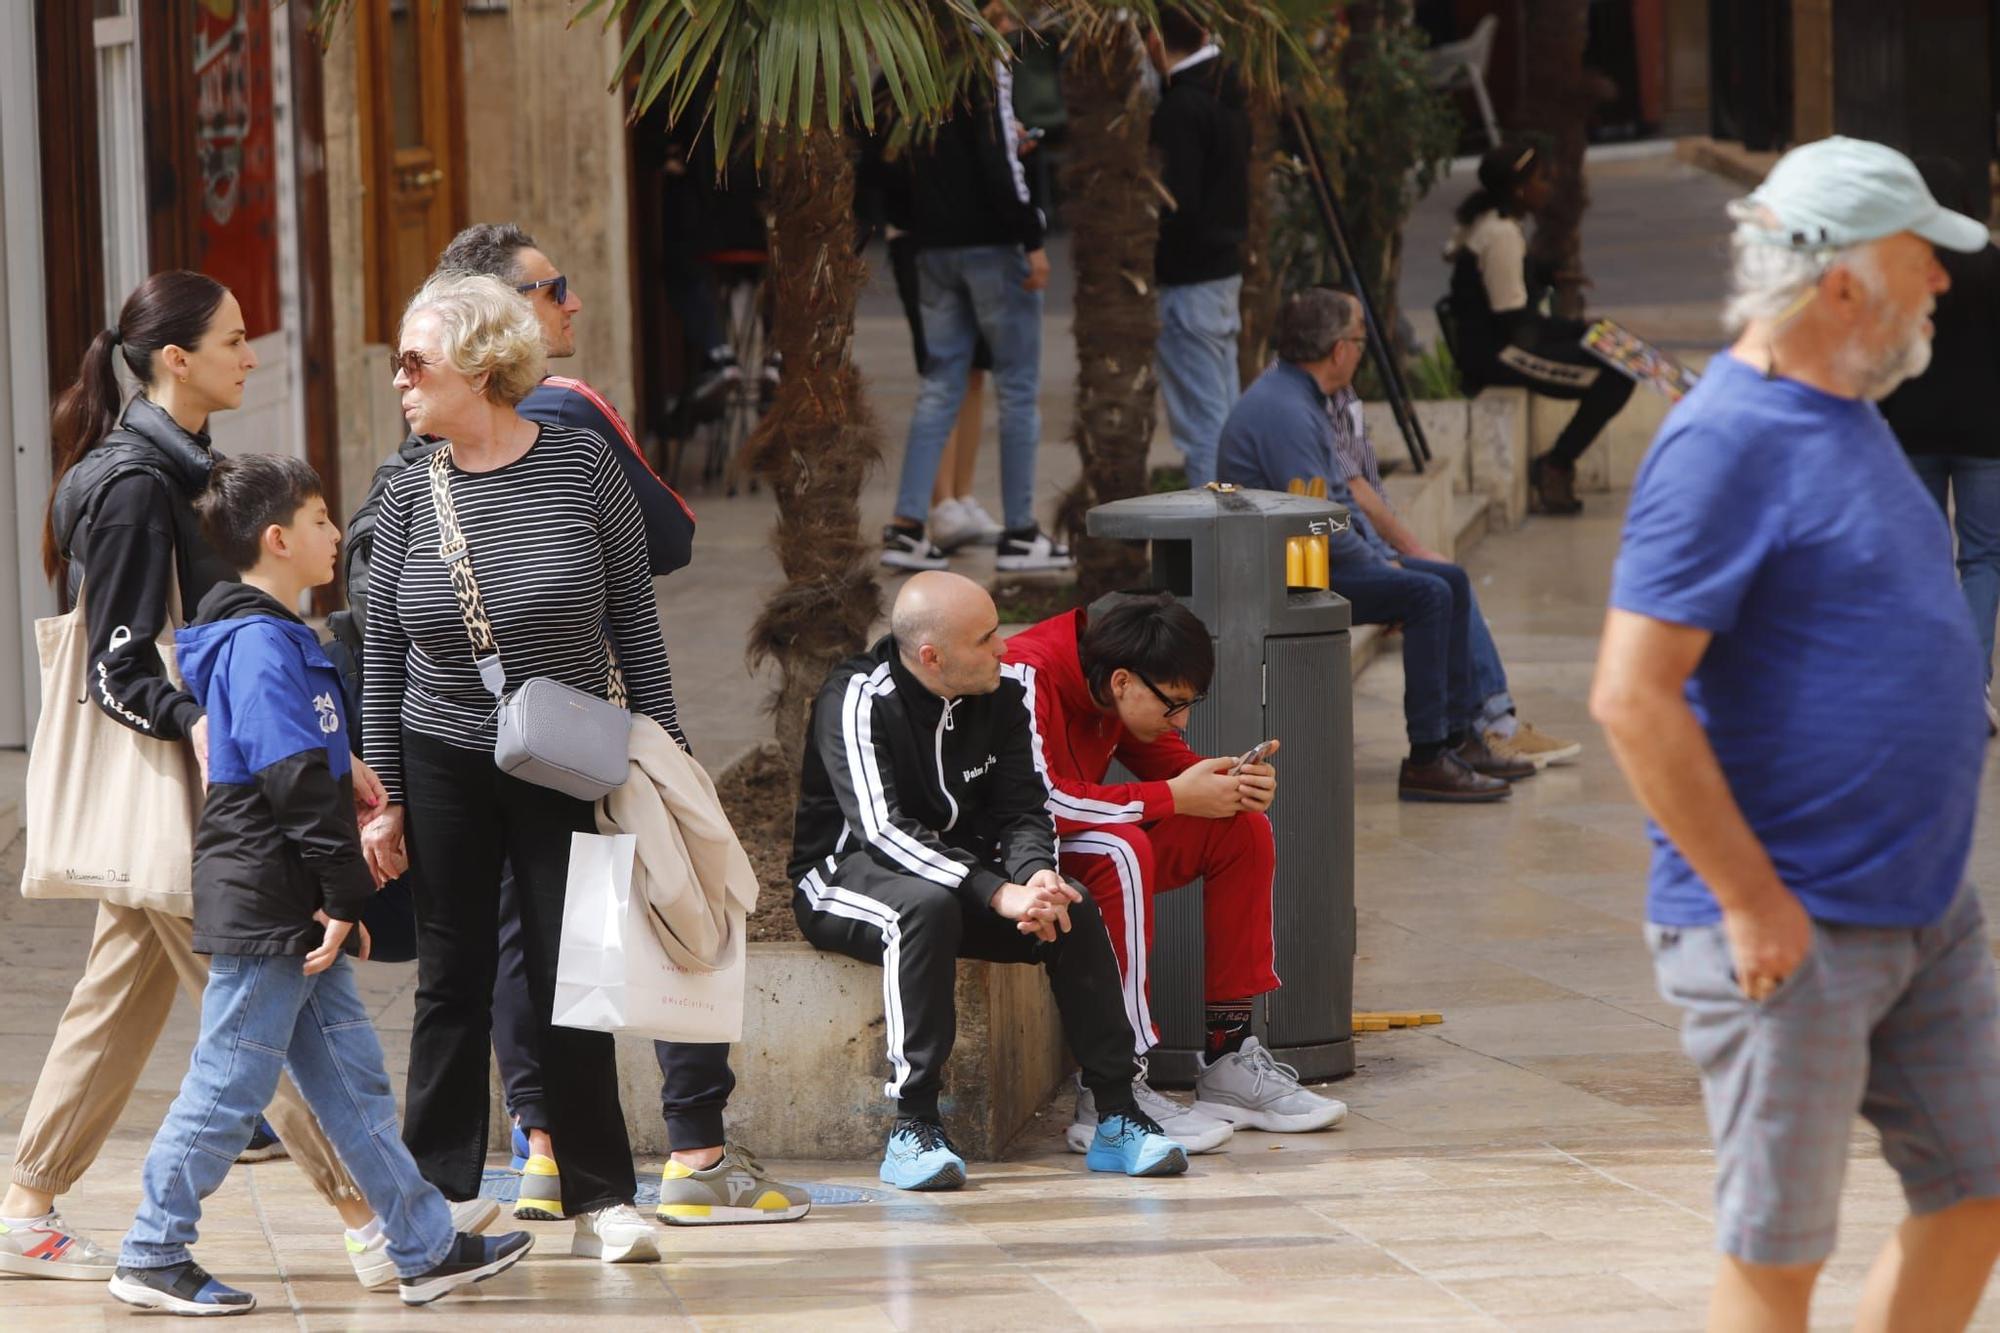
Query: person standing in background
column 1944, row 418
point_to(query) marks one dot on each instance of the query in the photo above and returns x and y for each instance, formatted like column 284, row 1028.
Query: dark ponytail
column 1502, row 173
column 171, row 309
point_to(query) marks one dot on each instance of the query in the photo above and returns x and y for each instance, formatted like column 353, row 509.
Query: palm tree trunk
column 1558, row 105
column 1115, row 220
column 818, row 441
column 1263, row 285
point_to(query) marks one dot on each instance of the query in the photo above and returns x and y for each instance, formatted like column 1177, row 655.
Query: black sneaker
column 263, row 1146
column 908, row 548
column 472, row 1259
column 184, row 1288
column 719, row 374
column 1026, row 549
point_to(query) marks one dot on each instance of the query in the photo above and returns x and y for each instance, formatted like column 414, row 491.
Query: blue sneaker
column 521, row 1151
column 1132, row 1141
column 184, row 1288
column 920, row 1157
column 264, row 1144
column 471, row 1259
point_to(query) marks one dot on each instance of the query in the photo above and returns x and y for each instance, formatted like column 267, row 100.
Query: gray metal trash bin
column 1281, row 670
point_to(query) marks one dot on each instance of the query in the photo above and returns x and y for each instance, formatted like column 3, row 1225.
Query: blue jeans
column 1200, row 323
column 1974, row 488
column 1434, row 603
column 1489, row 677
column 970, row 292
column 259, row 1016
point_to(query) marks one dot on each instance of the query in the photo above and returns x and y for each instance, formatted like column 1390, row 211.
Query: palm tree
column 1112, row 243
column 1558, row 105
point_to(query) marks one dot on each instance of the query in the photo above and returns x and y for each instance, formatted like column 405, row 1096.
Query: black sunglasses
column 1171, row 706
column 558, row 285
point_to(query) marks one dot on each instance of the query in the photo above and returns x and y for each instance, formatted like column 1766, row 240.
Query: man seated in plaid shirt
column 1391, row 538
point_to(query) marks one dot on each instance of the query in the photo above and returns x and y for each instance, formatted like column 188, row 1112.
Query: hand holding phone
column 1254, row 755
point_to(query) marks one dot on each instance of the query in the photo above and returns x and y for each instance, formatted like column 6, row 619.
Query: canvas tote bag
column 110, row 811
column 613, row 975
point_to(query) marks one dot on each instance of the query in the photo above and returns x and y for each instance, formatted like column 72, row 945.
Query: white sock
column 28, row 1221
column 367, row 1233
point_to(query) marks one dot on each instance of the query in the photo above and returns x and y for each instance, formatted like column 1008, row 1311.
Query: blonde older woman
column 559, row 548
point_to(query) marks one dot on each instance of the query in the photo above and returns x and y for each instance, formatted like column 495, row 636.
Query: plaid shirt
column 1354, row 456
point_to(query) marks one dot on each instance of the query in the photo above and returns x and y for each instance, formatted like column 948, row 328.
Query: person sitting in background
column 1355, row 462
column 922, row 837
column 1944, row 418
column 1123, row 685
column 1503, row 337
column 1280, row 432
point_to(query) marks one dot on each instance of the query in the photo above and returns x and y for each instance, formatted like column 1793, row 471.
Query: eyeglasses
column 410, row 364
column 1172, row 706
column 558, row 287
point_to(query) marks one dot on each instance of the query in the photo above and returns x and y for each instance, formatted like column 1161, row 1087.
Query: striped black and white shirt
column 559, row 546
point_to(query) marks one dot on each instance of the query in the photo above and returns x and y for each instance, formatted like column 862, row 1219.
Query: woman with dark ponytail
column 121, row 534
column 1503, row 336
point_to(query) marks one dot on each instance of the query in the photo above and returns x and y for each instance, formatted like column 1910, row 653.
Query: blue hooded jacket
column 277, row 839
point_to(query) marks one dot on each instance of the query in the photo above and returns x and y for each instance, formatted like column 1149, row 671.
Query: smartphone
column 1254, row 755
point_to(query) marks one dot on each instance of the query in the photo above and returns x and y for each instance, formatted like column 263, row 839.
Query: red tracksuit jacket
column 1075, row 740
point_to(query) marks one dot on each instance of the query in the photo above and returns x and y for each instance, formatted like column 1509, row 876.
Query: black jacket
column 277, row 840
column 1202, row 131
column 1947, row 410
column 947, row 792
column 969, row 186
column 124, row 520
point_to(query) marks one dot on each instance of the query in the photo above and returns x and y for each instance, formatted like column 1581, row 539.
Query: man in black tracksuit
column 922, row 837
column 1201, row 131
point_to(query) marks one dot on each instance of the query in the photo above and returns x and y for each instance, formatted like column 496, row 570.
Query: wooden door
column 413, row 137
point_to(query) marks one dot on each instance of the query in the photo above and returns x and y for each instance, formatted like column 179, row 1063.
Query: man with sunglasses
column 1121, row 685
column 1280, row 431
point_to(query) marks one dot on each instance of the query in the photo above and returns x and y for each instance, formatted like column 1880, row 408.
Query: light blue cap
column 1838, row 192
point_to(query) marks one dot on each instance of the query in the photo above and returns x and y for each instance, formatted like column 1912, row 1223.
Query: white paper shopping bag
column 613, row 976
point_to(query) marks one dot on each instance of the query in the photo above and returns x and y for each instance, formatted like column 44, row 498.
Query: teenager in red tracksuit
column 1185, row 819
column 1121, row 687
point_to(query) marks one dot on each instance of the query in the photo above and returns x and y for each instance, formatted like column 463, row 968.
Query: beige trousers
column 114, row 1017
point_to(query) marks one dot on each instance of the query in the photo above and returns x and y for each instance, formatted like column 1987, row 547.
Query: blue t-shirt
column 1841, row 690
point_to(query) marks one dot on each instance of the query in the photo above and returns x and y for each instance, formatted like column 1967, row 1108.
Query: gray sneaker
column 50, row 1247
column 1189, row 1128
column 1252, row 1090
column 735, row 1189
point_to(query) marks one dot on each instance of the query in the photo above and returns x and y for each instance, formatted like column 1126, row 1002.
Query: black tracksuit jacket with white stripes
column 947, row 792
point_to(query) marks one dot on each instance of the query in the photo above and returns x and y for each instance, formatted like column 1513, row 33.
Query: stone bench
column 812, row 1062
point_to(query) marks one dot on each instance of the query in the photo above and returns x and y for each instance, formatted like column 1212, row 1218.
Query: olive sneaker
column 736, row 1189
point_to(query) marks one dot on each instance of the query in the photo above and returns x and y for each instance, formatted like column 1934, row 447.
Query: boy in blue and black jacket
column 279, row 883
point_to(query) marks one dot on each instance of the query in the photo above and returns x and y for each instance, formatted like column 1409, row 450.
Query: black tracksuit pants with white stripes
column 917, row 931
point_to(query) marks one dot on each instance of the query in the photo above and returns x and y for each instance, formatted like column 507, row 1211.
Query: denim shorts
column 1901, row 1025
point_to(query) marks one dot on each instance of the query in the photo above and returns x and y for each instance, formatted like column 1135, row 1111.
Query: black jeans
column 1434, row 604
column 465, row 820
column 1555, row 365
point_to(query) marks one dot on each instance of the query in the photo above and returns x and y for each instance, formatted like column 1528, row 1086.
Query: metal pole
column 1378, row 342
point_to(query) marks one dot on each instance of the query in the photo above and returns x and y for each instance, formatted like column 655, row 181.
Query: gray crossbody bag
column 548, row 733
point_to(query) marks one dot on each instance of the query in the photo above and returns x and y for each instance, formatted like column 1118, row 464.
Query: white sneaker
column 617, row 1235
column 373, row 1267
column 51, row 1247
column 1189, row 1128
column 951, row 527
column 1024, row 552
column 1251, row 1089
column 989, row 526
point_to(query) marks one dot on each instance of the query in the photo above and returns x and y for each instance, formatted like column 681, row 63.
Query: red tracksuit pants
column 1124, row 865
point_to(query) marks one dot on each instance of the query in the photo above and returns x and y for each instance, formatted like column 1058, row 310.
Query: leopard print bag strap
column 457, row 558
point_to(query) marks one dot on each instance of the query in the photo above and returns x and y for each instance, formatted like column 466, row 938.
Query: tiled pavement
column 1536, row 1162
